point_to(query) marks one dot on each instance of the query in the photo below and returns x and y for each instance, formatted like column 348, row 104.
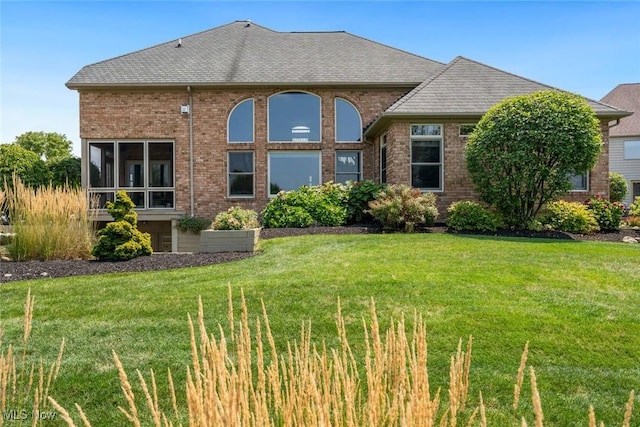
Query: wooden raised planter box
column 229, row 240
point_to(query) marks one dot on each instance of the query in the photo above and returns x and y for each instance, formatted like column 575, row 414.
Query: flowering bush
column 608, row 214
column 236, row 218
column 400, row 207
column 634, row 209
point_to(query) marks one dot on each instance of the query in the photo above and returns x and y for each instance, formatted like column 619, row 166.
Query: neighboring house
column 233, row 115
column 624, row 137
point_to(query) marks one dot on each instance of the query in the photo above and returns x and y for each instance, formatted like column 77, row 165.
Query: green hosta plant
column 236, row 218
column 402, row 208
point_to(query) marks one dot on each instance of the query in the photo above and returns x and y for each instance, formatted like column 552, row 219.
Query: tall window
column 348, row 122
column 426, row 157
column 383, row 158
column 144, row 169
column 240, row 178
column 348, row 166
column 240, row 124
column 289, row 170
column 294, row 117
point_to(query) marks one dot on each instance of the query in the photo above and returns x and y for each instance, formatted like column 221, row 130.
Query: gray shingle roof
column 627, row 97
column 246, row 53
column 466, row 87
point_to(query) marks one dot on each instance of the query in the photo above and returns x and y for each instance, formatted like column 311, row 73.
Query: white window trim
column 294, row 142
column 336, row 164
column 253, row 121
column 335, row 120
column 319, row 153
column 586, row 190
column 624, row 149
column 428, row 138
column 253, row 173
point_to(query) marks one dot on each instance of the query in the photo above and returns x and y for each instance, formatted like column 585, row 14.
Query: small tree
column 617, row 187
column 25, row 164
column 524, row 151
column 121, row 240
column 47, row 145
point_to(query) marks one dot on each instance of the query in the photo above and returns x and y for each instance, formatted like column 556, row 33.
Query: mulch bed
column 13, row 271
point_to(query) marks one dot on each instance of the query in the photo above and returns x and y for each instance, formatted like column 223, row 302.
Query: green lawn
column 577, row 303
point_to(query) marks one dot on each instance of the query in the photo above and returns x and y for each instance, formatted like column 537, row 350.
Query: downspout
column 191, row 185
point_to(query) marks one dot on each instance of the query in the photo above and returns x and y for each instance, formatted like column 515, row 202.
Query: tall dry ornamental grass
column 24, row 384
column 49, row 222
column 242, row 380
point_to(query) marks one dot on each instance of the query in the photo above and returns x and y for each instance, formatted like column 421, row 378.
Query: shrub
column 121, row 240
column 617, row 187
column 571, row 217
column 193, row 224
column 471, row 216
column 322, row 205
column 359, row 194
column 608, row 214
column 236, row 218
column 400, row 207
column 634, row 209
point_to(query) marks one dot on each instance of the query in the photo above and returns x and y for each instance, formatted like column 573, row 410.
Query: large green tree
column 525, row 149
column 27, row 165
column 48, row 145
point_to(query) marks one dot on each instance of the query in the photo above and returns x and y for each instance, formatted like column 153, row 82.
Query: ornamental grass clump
column 236, row 218
column 403, row 208
column 49, row 222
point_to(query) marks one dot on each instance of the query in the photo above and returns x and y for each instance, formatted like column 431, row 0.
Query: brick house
column 232, row 115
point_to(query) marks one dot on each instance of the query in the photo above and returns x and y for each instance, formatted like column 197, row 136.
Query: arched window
column 240, row 125
column 348, row 122
column 294, row 117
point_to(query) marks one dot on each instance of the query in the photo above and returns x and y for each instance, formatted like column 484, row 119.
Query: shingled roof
column 627, row 97
column 244, row 53
column 466, row 88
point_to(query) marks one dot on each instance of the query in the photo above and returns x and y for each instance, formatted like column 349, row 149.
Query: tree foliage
column 66, row 170
column 27, row 165
column 525, row 149
column 47, row 145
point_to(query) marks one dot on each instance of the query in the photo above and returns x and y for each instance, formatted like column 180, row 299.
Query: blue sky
column 586, row 47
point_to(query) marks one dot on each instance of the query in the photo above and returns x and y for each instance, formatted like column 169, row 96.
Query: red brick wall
column 146, row 114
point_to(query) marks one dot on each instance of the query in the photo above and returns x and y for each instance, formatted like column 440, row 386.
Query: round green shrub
column 617, row 187
column 193, row 224
column 571, row 217
column 282, row 215
column 236, row 218
column 471, row 216
column 402, row 208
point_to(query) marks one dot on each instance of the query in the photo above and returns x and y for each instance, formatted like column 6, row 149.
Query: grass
column 576, row 303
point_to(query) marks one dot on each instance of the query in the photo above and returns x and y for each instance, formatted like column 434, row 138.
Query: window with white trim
column 580, row 182
column 348, row 166
column 289, row 170
column 144, row 169
column 635, row 190
column 426, row 157
column 240, row 124
column 240, row 177
column 348, row 122
column 631, row 150
column 294, row 117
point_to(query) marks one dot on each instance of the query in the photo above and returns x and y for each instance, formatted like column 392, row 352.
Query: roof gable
column 467, row 87
column 245, row 53
column 625, row 96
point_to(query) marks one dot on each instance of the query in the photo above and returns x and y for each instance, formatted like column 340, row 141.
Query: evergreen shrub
column 471, row 216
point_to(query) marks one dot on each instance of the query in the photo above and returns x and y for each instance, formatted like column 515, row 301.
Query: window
column 383, row 158
column 144, row 169
column 348, row 122
column 240, row 178
column 635, row 190
column 631, row 150
column 240, row 124
column 289, row 170
column 294, row 117
column 466, row 130
column 580, row 182
column 426, row 157
column 348, row 166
